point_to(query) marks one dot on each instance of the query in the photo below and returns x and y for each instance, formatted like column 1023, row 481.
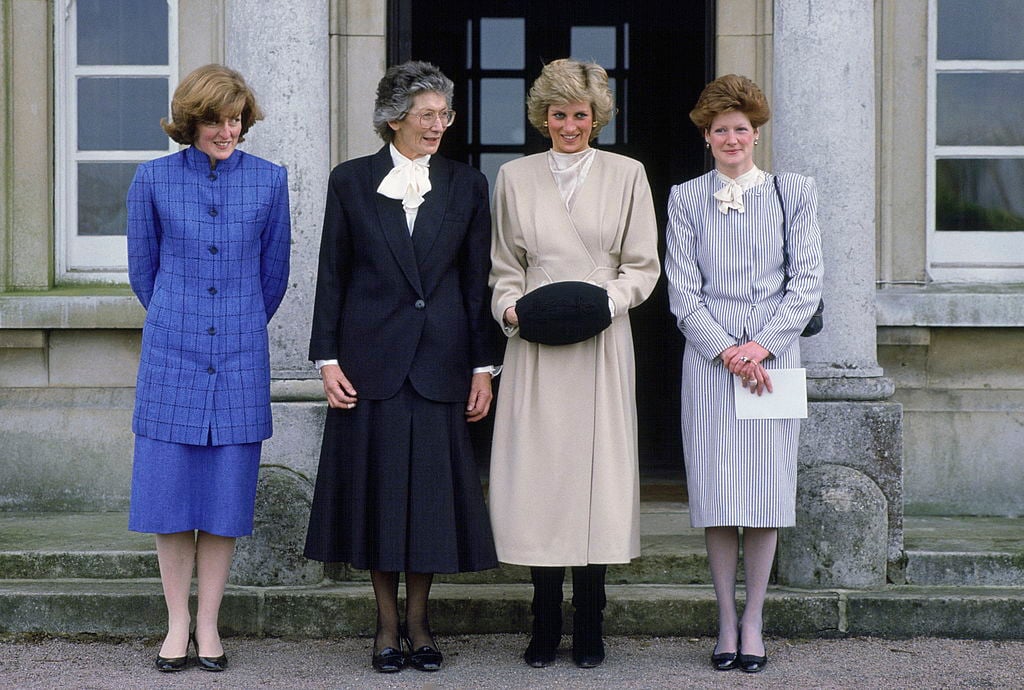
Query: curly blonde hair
column 731, row 92
column 570, row 81
column 207, row 94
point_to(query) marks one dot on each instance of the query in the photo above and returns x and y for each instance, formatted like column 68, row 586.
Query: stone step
column 135, row 607
column 99, row 545
column 940, row 551
column 985, row 551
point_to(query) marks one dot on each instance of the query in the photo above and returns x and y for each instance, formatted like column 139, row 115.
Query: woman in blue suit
column 404, row 342
column 208, row 249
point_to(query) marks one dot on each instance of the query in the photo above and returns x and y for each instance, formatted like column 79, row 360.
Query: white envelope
column 788, row 399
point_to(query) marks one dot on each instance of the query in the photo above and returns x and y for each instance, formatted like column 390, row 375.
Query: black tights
column 417, row 593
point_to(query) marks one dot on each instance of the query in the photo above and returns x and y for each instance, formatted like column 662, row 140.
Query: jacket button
column 420, row 304
column 213, row 212
column 211, row 370
column 212, row 290
column 211, row 330
column 213, row 249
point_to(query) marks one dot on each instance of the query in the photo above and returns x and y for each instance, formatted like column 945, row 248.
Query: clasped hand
column 745, row 361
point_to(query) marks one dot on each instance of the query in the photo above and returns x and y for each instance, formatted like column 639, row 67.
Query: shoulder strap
column 785, row 222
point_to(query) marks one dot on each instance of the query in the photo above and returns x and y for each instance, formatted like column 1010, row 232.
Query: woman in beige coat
column 564, row 484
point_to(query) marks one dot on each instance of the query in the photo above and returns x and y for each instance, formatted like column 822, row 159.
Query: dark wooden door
column 658, row 58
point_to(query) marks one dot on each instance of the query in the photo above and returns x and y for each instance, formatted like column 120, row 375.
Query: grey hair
column 399, row 86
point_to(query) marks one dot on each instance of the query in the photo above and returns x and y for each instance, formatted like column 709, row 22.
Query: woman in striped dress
column 741, row 303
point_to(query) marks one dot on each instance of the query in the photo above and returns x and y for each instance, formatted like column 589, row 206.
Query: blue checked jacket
column 208, row 258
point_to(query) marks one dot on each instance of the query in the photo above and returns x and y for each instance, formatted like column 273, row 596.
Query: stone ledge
column 111, row 308
column 951, row 305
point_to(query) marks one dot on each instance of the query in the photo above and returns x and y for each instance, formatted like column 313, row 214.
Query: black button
column 211, row 370
column 212, row 176
column 213, row 212
column 212, row 290
column 213, row 249
column 420, row 304
column 211, row 330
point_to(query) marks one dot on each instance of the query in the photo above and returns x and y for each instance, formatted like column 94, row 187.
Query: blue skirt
column 180, row 488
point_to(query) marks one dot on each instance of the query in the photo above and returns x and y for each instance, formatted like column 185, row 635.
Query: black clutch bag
column 563, row 313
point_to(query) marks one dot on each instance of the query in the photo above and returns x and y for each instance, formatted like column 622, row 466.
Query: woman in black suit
column 403, row 340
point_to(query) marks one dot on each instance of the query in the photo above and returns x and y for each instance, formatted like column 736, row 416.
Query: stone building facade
column 917, row 380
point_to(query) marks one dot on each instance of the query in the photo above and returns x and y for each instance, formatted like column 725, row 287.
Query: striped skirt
column 738, row 472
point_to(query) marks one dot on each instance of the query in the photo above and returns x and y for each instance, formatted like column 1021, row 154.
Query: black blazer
column 391, row 307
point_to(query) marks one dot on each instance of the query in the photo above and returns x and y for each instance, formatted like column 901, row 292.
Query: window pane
column 502, row 111
column 502, row 43
column 594, row 44
column 979, row 194
column 980, row 30
column 121, row 113
column 102, row 189
column 122, row 32
column 607, row 135
column 490, row 162
column 975, row 109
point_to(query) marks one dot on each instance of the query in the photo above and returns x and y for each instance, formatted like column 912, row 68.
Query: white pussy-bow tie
column 408, row 182
column 730, row 196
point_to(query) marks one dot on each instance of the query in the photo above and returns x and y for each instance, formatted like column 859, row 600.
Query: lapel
column 391, row 217
column 432, row 210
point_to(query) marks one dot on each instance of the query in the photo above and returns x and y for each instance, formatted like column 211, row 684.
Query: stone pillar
column 282, row 49
column 824, row 115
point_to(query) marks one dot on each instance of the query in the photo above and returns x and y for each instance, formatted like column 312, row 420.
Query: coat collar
column 198, row 160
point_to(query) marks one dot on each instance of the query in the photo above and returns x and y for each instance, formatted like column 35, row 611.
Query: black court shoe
column 210, row 663
column 171, row 664
column 425, row 658
column 726, row 661
column 387, row 660
column 752, row 664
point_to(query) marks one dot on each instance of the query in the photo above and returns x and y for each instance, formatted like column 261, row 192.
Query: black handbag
column 817, row 321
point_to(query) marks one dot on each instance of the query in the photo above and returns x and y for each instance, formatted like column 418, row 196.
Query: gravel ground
column 492, row 661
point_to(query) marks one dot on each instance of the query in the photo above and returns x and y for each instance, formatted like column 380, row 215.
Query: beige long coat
column 564, row 481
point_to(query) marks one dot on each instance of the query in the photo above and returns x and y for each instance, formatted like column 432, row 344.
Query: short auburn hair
column 207, row 94
column 730, row 93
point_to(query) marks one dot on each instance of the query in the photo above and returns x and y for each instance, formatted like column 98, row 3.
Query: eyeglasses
column 428, row 117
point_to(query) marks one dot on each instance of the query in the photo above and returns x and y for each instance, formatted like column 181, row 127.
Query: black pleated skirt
column 398, row 489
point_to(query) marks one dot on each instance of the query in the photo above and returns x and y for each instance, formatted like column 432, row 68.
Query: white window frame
column 977, row 257
column 92, row 259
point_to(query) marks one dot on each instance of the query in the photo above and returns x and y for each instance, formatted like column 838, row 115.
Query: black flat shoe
column 752, row 664
column 172, row 664
column 726, row 661
column 387, row 660
column 426, row 658
column 215, row 664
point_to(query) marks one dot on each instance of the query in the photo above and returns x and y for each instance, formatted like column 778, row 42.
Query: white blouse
column 570, row 171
